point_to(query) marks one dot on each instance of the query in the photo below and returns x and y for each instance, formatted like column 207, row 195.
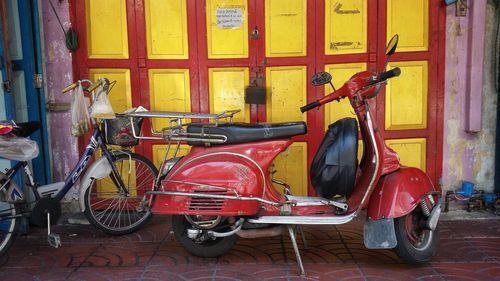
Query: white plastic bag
column 17, row 148
column 102, row 107
column 80, row 121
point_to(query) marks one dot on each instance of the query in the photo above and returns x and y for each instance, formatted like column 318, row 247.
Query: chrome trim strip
column 310, row 220
column 214, row 196
column 375, row 159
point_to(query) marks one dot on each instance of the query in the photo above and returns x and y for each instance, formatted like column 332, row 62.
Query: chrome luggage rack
column 178, row 122
column 176, row 132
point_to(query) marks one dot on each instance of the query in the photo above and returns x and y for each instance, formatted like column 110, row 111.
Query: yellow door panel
column 227, row 91
column 227, row 28
column 106, row 188
column 345, row 26
column 406, row 97
column 410, row 20
column 169, row 90
column 291, row 167
column 107, row 35
column 286, row 93
column 159, row 151
column 411, row 151
column 120, row 95
column 340, row 74
column 286, row 28
column 360, row 150
column 166, row 29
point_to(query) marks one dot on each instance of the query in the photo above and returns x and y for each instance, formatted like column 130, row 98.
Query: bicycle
column 114, row 187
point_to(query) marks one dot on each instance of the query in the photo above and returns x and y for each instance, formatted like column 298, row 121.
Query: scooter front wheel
column 416, row 244
column 210, row 247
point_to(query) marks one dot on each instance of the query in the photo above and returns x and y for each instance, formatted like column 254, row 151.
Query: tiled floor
column 469, row 250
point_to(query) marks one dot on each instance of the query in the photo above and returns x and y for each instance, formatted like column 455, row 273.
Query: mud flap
column 380, row 234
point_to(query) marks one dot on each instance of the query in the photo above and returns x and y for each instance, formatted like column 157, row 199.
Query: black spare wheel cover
column 333, row 170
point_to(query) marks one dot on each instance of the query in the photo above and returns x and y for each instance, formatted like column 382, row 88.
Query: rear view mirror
column 321, row 78
column 390, row 49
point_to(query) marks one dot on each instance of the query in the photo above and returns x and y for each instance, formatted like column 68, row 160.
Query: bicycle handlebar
column 93, row 85
column 70, row 87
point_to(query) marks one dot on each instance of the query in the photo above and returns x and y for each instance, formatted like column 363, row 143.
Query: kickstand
column 303, row 235
column 53, row 239
column 296, row 249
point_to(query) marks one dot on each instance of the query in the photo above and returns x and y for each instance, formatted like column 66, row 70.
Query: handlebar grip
column 70, row 87
column 309, row 106
column 389, row 74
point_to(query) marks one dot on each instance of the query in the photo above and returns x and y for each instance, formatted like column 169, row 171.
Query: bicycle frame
column 95, row 141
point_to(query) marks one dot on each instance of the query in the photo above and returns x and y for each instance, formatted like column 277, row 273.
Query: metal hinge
column 38, row 80
column 7, row 86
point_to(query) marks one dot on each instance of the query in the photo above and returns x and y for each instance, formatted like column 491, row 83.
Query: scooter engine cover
column 333, row 170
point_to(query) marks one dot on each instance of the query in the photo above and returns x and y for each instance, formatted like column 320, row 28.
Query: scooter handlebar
column 389, row 74
column 310, row 106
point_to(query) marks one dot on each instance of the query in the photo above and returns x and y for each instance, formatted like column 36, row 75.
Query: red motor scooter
column 222, row 189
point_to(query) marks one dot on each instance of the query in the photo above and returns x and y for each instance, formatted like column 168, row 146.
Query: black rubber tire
column 98, row 217
column 8, row 228
column 426, row 245
column 212, row 248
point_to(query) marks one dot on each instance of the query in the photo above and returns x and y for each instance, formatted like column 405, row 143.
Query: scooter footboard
column 398, row 193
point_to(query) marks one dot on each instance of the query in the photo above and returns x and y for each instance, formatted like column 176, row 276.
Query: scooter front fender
column 398, row 193
column 98, row 170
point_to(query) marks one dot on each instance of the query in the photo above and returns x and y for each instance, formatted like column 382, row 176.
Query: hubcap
column 417, row 235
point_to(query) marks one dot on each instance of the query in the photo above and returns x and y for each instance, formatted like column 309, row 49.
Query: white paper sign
column 229, row 17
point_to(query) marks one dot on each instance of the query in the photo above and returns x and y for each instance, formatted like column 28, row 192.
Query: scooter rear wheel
column 212, row 247
column 416, row 244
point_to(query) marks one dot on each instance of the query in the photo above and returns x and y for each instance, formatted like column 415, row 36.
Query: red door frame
column 313, row 136
column 435, row 96
column 370, row 58
column 198, row 65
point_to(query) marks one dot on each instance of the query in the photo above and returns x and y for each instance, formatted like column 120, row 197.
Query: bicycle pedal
column 54, row 240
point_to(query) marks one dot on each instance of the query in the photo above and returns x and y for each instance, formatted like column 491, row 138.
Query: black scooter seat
column 245, row 132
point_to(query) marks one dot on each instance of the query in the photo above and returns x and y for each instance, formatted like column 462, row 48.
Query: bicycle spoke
column 116, row 212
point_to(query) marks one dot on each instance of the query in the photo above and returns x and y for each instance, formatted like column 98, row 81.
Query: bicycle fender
column 98, row 170
column 398, row 193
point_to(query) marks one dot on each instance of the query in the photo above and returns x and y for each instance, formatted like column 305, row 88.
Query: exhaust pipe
column 244, row 233
column 260, row 233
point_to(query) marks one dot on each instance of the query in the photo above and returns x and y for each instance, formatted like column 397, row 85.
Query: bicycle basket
column 118, row 131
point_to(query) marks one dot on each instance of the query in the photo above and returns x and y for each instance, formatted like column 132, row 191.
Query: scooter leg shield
column 398, row 193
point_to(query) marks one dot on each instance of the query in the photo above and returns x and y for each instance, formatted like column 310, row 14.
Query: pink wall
column 468, row 155
column 58, row 70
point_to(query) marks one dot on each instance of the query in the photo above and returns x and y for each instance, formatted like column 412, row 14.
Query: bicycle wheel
column 9, row 224
column 115, row 211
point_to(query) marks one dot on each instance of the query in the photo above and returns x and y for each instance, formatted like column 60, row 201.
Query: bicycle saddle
column 25, row 129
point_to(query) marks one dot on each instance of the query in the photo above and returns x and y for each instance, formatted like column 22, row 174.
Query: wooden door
column 412, row 103
column 185, row 55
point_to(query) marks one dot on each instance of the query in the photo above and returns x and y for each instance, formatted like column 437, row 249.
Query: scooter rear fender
column 238, row 171
column 398, row 193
